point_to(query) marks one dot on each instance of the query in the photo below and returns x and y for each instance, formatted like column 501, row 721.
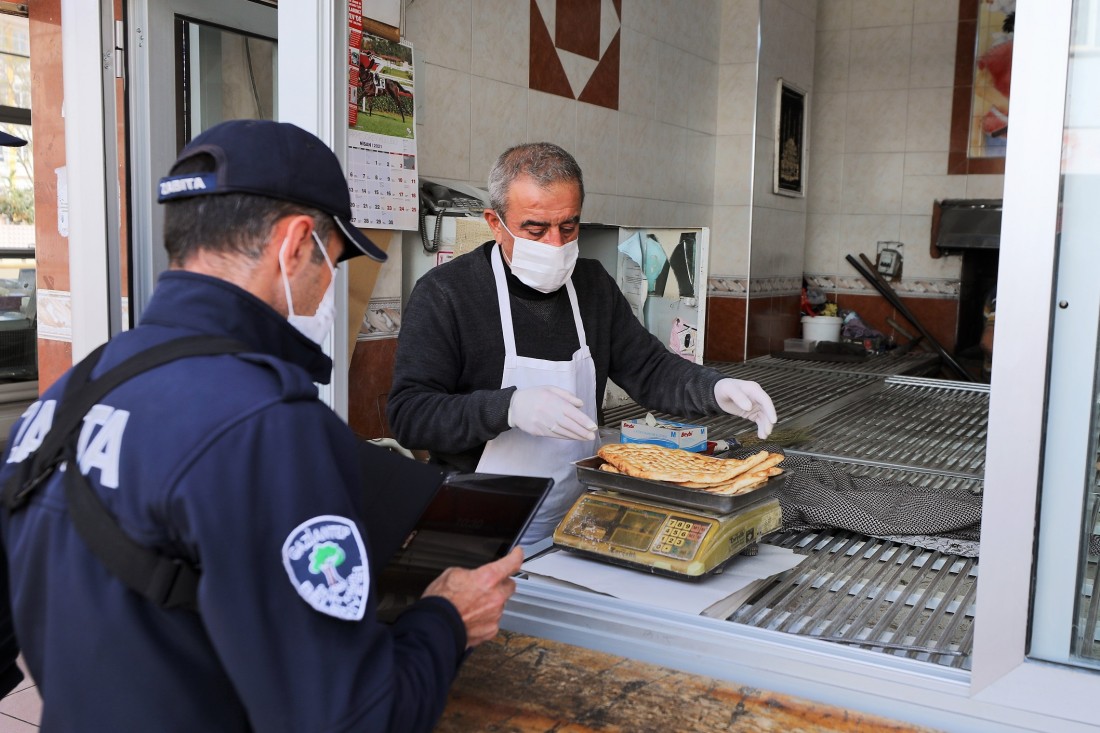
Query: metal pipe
column 892, row 297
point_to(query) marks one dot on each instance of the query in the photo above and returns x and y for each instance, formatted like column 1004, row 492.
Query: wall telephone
column 455, row 199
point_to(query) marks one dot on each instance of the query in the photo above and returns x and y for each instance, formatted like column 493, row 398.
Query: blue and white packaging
column 668, row 434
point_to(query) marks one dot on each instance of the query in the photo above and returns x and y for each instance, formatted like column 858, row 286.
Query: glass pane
column 226, row 75
column 1080, row 191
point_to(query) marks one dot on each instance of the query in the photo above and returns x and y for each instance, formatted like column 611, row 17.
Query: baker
column 505, row 352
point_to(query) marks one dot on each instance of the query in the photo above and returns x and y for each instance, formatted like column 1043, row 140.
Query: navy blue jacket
column 233, row 463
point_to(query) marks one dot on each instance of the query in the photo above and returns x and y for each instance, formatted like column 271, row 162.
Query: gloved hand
column 550, row 412
column 747, row 400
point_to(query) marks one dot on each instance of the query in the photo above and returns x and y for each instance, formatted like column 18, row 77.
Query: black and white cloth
column 819, row 494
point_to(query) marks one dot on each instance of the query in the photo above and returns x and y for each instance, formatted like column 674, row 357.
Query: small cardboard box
column 668, row 434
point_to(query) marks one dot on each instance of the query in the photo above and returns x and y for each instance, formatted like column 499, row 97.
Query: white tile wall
column 691, row 110
column 875, row 13
column 879, row 57
column 895, row 59
column 597, row 149
column 502, row 53
column 736, row 99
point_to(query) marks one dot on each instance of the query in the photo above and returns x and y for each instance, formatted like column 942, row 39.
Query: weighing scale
column 662, row 538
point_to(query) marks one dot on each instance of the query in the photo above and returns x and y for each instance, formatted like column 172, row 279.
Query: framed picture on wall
column 983, row 72
column 789, row 175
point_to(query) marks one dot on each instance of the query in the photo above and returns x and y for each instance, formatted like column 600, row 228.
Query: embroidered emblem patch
column 326, row 562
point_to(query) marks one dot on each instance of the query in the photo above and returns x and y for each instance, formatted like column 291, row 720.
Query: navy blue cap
column 274, row 159
column 11, row 141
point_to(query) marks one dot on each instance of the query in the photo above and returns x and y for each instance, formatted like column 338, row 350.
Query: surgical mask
column 317, row 326
column 541, row 266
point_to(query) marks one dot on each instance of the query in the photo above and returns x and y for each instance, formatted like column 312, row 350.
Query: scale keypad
column 680, row 537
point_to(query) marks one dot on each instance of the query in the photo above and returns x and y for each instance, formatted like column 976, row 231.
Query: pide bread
column 688, row 469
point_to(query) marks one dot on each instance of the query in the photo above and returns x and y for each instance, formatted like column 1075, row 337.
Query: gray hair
column 546, row 163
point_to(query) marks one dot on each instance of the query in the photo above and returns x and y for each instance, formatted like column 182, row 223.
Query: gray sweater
column 446, row 395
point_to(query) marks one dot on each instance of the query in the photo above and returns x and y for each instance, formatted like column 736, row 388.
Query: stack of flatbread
column 724, row 476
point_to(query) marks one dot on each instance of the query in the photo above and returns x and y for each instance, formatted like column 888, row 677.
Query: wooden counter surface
column 522, row 684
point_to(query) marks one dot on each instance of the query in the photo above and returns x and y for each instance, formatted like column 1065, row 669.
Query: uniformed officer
column 230, row 464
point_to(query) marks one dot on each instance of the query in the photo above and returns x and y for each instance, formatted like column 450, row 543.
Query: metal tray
column 589, row 473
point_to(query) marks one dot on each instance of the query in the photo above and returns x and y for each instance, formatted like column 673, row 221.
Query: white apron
column 517, row 453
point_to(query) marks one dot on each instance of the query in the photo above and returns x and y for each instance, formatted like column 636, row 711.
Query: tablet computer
column 473, row 519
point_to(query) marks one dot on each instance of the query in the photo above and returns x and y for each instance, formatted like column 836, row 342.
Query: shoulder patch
column 326, row 562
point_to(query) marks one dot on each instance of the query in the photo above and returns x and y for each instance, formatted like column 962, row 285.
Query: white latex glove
column 747, row 400
column 550, row 412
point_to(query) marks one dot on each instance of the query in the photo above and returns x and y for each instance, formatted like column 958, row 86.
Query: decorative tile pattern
column 727, row 286
column 575, row 49
column 754, row 287
column 946, row 288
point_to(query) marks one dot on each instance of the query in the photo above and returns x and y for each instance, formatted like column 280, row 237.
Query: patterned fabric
column 819, row 494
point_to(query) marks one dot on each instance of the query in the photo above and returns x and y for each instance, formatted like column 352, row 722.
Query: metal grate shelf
column 793, row 391
column 934, row 425
column 877, row 594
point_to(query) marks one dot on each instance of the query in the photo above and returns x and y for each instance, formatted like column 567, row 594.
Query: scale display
column 661, row 539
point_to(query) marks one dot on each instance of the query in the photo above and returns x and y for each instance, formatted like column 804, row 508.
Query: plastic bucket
column 821, row 328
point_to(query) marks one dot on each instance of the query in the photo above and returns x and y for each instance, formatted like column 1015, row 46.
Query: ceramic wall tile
column 699, row 156
column 920, row 191
column 635, row 159
column 936, row 11
column 876, row 13
column 985, row 186
column 637, row 73
column 823, row 237
column 600, row 208
column 643, row 15
column 692, row 215
column 929, row 126
column 825, row 187
column 862, row 232
column 597, row 148
column 443, row 147
column 828, row 116
column 873, row 183
column 925, row 164
column 834, row 14
column 933, row 55
column 736, row 99
column 729, row 241
column 876, row 122
column 880, row 58
column 501, row 34
column 733, row 170
column 498, row 121
column 832, row 56
column 441, row 32
column 695, row 27
column 740, row 21
column 551, row 118
column 697, row 109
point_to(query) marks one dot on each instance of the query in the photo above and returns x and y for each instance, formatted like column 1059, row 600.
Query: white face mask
column 541, row 266
column 317, row 326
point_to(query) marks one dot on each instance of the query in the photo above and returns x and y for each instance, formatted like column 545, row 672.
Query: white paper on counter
column 655, row 590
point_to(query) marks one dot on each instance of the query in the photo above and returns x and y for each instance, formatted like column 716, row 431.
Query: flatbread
column 752, row 464
column 657, row 463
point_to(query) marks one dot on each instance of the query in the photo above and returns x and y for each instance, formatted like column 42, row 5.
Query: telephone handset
column 456, row 199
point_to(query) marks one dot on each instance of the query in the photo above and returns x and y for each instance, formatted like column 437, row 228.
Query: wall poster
column 983, row 80
column 789, row 176
column 382, row 176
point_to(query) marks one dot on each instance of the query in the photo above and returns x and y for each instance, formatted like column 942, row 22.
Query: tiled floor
column 21, row 710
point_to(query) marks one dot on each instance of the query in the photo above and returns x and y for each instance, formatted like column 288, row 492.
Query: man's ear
column 493, row 221
column 296, row 231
